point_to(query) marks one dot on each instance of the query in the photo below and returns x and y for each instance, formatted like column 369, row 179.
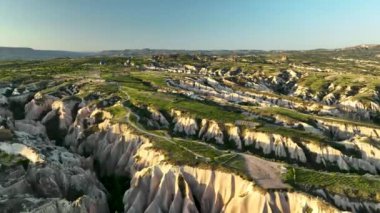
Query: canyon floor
column 276, row 131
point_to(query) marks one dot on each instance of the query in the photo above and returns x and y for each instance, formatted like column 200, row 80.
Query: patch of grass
column 292, row 133
column 176, row 154
column 142, row 93
column 104, row 89
column 180, row 156
column 199, row 148
column 285, row 112
column 166, row 102
column 157, row 79
column 8, row 160
column 352, row 186
column 56, row 87
column 118, row 112
column 315, row 81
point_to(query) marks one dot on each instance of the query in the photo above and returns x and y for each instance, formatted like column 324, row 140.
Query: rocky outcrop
column 63, row 110
column 21, row 149
column 159, row 189
column 340, row 130
column 54, row 180
column 38, row 106
column 157, row 116
column 210, row 130
column 31, row 127
column 184, row 123
column 327, row 155
column 368, row 148
column 355, row 206
column 348, row 204
column 278, row 145
column 187, row 189
column 112, row 146
column 339, row 101
column 233, row 133
column 52, row 188
column 285, row 147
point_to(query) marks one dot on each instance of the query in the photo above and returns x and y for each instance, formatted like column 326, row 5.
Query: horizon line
column 173, row 49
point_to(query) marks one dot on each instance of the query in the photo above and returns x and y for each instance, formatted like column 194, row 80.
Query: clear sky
column 91, row 25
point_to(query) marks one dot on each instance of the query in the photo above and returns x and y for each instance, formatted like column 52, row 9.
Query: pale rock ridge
column 21, row 149
column 329, row 99
column 282, row 120
column 294, row 150
column 302, row 92
column 157, row 116
column 273, row 143
column 234, row 135
column 98, row 115
column 62, row 109
column 218, row 93
column 31, row 127
column 282, row 146
column 112, row 146
column 345, row 203
column 336, row 129
column 211, row 130
column 355, row 105
column 215, row 191
column 38, row 106
column 326, row 154
column 369, row 150
column 151, row 186
column 183, row 123
column 346, row 130
column 159, row 189
column 330, row 104
column 349, row 204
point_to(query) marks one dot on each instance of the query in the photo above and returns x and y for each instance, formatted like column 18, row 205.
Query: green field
column 353, row 186
column 141, row 92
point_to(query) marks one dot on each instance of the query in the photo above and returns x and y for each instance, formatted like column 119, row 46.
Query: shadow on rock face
column 116, row 186
column 53, row 130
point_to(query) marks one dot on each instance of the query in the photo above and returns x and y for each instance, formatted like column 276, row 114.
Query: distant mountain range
column 15, row 53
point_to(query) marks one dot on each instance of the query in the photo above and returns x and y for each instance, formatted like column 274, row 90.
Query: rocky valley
column 287, row 131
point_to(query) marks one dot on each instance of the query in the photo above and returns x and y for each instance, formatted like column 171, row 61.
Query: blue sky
column 91, row 25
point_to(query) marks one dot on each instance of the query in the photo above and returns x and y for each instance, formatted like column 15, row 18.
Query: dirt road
column 265, row 173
